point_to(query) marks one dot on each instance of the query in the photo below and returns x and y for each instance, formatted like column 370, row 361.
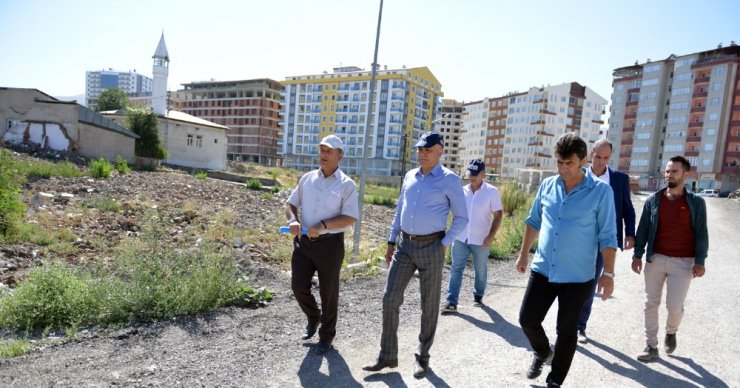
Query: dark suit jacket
column 620, row 184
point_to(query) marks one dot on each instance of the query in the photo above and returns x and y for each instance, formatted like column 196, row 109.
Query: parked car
column 725, row 194
column 709, row 193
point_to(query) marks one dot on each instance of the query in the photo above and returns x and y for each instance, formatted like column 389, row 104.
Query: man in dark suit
column 620, row 184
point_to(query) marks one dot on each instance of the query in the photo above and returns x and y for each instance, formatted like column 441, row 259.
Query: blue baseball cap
column 430, row 139
column 476, row 167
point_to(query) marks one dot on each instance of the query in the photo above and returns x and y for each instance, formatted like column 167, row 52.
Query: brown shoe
column 381, row 364
column 420, row 368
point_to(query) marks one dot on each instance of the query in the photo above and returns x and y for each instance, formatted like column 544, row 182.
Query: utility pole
column 365, row 147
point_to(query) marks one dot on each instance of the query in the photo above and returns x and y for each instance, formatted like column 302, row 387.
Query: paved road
column 485, row 346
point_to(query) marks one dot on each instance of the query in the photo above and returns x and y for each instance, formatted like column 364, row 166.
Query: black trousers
column 538, row 298
column 325, row 256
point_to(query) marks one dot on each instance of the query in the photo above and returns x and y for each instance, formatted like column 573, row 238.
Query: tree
column 143, row 122
column 112, row 99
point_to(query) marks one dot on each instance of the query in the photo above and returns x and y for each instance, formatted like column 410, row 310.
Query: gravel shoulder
column 477, row 347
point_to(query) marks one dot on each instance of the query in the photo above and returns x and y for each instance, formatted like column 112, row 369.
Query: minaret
column 160, row 70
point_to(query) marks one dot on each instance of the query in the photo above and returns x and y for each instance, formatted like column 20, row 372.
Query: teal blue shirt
column 573, row 227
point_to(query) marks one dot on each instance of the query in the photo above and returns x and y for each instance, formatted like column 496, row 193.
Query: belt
column 422, row 237
column 323, row 236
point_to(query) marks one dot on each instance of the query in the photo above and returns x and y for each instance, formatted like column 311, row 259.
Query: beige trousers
column 675, row 272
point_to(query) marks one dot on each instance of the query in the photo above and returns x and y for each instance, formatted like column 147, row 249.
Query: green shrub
column 201, row 175
column 100, row 168
column 103, row 203
column 276, row 189
column 512, row 198
column 146, row 281
column 11, row 207
column 254, row 184
column 375, row 200
column 122, row 165
column 14, row 348
column 267, row 196
column 510, row 234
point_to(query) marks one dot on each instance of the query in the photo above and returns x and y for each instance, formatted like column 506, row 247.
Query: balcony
column 735, row 123
column 732, row 154
column 632, row 103
column 535, row 143
column 598, row 121
column 625, row 154
column 626, row 141
column 701, row 93
column 698, row 109
column 736, row 108
column 542, row 155
column 691, row 153
column 696, row 124
column 628, row 129
column 540, row 101
column 545, row 111
column 629, row 116
column 690, row 139
column 544, row 133
column 731, row 169
column 532, row 165
column 538, row 122
column 633, row 90
column 701, row 80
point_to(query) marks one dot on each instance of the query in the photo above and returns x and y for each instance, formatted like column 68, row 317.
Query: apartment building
column 449, row 123
column 249, row 108
column 474, row 123
column 137, row 86
column 314, row 106
column 498, row 109
column 683, row 105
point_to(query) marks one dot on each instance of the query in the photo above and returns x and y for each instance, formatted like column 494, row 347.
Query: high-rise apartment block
column 684, row 105
column 314, row 106
column 518, row 131
column 135, row 85
column 249, row 108
column 450, row 124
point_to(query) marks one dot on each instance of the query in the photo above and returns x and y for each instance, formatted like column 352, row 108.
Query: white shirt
column 603, row 177
column 319, row 198
column 481, row 205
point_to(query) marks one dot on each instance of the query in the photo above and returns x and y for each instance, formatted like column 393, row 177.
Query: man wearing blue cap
column 418, row 240
column 484, row 218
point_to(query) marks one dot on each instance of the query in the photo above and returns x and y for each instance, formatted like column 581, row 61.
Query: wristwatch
column 610, row 274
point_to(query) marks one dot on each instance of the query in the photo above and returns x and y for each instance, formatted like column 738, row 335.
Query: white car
column 709, row 193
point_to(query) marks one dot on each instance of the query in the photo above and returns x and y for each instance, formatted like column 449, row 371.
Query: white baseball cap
column 332, row 141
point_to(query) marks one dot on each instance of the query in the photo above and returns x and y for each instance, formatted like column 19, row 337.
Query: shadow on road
column 392, row 379
column 642, row 373
column 339, row 373
column 498, row 325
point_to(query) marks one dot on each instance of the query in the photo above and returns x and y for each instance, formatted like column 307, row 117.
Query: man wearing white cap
column 327, row 199
column 484, row 218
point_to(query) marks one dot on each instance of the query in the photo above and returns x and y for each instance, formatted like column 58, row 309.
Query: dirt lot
column 477, row 347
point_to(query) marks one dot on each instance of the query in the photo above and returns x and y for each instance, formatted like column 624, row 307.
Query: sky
column 475, row 48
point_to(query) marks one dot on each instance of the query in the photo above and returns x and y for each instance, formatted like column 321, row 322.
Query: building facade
column 249, row 108
column 137, row 86
column 474, row 123
column 684, row 105
column 449, row 123
column 314, row 106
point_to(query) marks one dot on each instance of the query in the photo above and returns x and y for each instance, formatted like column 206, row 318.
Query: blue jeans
column 460, row 253
column 586, row 312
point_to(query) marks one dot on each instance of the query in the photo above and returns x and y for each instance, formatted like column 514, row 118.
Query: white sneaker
column 582, row 338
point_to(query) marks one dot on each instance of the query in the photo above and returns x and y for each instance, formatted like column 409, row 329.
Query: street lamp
column 366, row 148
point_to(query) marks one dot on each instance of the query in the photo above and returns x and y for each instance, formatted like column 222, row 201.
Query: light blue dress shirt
column 572, row 228
column 425, row 203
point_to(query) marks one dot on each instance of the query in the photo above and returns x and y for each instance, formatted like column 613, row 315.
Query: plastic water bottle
column 286, row 229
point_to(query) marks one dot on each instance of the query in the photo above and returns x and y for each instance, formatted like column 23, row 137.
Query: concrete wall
column 56, row 126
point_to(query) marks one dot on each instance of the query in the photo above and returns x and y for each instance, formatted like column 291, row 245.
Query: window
column 199, row 141
column 709, row 147
column 646, row 109
column 715, row 101
column 190, row 141
column 683, row 76
column 650, row 82
column 713, row 116
column 711, row 131
column 680, row 91
column 718, row 70
column 680, row 105
column 717, row 86
column 651, row 69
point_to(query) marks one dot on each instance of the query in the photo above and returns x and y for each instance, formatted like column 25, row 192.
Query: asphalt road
column 486, row 347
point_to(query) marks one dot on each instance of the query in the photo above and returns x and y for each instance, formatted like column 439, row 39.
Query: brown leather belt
column 422, row 237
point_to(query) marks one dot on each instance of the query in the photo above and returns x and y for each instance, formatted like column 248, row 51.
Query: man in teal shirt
column 573, row 215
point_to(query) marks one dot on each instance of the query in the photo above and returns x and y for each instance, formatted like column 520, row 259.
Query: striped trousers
column 428, row 258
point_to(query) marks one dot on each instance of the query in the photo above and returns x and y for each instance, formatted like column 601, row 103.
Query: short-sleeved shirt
column 573, row 226
column 481, row 205
column 321, row 198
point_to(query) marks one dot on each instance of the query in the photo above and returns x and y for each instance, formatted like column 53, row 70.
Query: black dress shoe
column 322, row 347
column 381, row 364
column 420, row 368
column 310, row 330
